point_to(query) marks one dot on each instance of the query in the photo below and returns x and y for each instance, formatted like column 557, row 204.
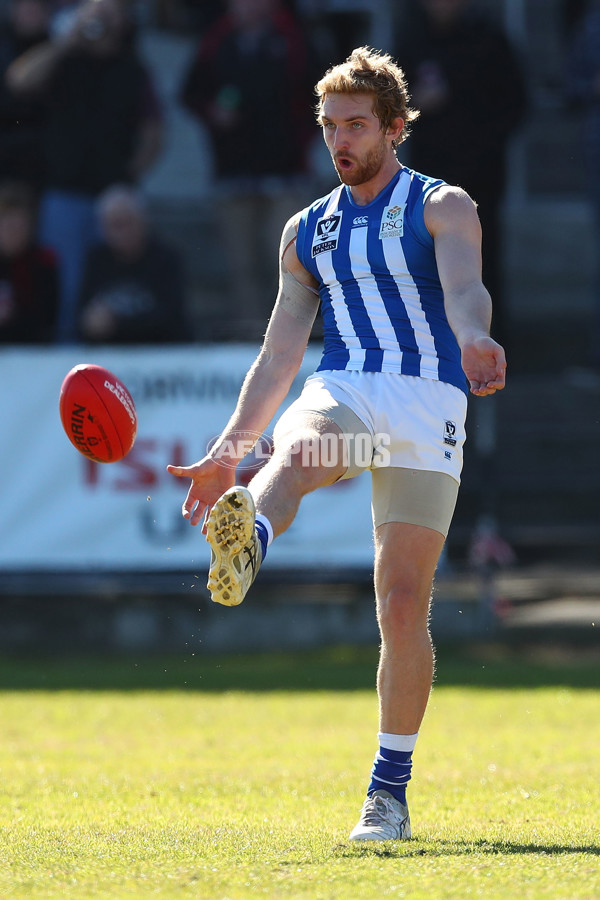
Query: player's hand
column 209, row 481
column 484, row 364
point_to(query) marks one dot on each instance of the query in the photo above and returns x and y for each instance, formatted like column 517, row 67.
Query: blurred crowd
column 82, row 124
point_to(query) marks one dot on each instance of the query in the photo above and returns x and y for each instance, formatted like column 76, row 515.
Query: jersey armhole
column 301, row 238
column 418, row 219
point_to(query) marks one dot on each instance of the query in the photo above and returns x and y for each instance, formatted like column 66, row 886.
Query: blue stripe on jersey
column 392, row 301
column 340, row 353
column 342, row 265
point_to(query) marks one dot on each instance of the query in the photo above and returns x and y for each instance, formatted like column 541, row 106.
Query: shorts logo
column 357, row 221
column 392, row 221
column 327, row 233
column 449, row 433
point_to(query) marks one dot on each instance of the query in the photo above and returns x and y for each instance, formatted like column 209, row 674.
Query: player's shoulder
column 288, row 253
column 449, row 195
column 448, row 203
column 291, row 226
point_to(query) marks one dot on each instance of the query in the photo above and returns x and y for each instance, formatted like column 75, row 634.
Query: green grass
column 236, row 778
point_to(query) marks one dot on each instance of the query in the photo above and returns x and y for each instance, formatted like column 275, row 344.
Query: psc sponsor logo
column 392, row 221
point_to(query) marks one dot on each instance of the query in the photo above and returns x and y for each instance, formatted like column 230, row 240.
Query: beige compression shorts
column 407, row 431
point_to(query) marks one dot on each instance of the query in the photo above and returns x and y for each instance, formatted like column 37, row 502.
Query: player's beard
column 364, row 169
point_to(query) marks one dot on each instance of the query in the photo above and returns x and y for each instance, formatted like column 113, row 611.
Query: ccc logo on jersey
column 327, row 233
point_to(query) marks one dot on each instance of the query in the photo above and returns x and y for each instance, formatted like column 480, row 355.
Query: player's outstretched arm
column 265, row 387
column 451, row 217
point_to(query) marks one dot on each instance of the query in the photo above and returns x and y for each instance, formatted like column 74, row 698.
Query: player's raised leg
column 308, row 454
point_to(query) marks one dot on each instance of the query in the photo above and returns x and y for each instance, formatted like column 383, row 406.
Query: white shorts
column 409, row 422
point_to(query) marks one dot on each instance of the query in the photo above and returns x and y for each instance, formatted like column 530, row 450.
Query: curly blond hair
column 369, row 71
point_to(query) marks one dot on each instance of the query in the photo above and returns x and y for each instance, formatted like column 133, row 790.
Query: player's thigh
column 318, row 411
column 312, row 445
column 341, row 433
column 405, row 560
column 412, row 510
column 413, row 496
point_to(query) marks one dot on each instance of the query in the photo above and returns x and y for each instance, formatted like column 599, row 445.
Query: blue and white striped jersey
column 381, row 298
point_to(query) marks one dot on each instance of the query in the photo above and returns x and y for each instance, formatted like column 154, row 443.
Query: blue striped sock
column 263, row 537
column 391, row 772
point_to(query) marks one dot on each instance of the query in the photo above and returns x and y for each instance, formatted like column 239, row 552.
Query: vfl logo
column 449, row 432
column 327, row 233
column 392, row 221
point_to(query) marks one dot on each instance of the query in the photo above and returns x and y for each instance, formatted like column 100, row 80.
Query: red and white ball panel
column 97, row 413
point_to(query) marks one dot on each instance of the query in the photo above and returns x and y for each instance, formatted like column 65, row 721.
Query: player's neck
column 363, row 194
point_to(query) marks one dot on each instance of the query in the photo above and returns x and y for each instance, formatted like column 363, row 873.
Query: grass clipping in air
column 241, row 778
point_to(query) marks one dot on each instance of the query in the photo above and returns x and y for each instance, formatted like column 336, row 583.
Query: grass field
column 237, row 778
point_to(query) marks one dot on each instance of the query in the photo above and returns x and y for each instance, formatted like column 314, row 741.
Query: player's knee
column 402, row 609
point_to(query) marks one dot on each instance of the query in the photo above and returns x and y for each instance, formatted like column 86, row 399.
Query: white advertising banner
column 60, row 511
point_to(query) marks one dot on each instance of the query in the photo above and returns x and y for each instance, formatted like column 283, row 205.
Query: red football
column 97, row 413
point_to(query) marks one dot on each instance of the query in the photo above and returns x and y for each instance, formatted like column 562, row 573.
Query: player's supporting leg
column 405, row 561
column 312, row 454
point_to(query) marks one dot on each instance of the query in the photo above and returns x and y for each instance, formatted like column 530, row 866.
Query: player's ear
column 395, row 129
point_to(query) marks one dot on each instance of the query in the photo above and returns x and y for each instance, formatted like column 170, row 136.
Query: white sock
column 403, row 743
column 268, row 527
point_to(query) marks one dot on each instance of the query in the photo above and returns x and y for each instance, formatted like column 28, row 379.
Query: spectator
column 103, row 127
column 249, row 86
column 347, row 23
column 583, row 89
column 21, row 119
column 468, row 85
column 133, row 288
column 28, row 272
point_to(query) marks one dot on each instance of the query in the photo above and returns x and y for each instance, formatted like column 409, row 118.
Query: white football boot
column 236, row 553
column 383, row 818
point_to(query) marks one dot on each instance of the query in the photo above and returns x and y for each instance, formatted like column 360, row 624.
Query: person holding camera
column 103, row 126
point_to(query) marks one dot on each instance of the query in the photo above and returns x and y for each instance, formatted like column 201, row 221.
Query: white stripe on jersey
column 338, row 304
column 333, row 201
column 367, row 285
column 396, row 261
